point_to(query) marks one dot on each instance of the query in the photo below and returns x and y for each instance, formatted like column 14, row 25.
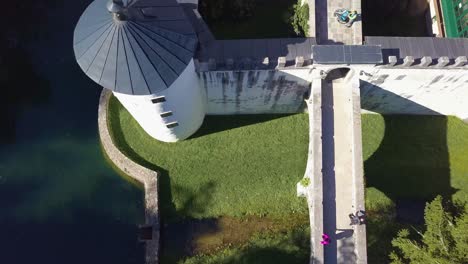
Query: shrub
column 300, row 19
column 445, row 239
column 213, row 10
column 305, row 182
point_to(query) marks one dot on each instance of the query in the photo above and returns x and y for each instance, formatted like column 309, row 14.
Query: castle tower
column 143, row 52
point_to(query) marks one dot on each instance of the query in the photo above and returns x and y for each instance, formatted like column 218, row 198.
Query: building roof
column 419, row 47
column 139, row 51
column 257, row 49
column 347, row 54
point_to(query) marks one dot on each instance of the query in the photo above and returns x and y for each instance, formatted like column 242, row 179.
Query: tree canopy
column 444, row 240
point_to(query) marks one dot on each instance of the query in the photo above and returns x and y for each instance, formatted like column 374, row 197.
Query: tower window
column 159, row 99
column 171, row 125
column 166, row 114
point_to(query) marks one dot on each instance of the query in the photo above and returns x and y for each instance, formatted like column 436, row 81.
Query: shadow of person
column 346, row 251
column 344, row 233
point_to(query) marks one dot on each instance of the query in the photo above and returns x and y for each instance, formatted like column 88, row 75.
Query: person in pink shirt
column 325, row 239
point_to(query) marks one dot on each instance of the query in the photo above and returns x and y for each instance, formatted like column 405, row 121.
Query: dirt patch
column 207, row 236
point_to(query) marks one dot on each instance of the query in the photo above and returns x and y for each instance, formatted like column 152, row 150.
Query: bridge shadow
column 328, row 169
column 411, row 164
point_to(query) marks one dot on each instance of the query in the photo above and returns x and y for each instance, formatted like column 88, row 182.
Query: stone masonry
column 329, row 31
column 145, row 176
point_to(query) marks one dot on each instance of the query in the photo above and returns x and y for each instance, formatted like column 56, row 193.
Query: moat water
column 60, row 201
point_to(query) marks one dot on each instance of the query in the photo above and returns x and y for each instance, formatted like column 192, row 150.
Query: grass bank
column 231, row 181
column 246, row 170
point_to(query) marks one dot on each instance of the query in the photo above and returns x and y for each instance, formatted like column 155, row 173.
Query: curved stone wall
column 145, row 176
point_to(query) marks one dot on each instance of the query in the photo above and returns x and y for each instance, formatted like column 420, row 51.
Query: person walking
column 325, row 239
column 361, row 215
column 354, row 219
column 351, row 17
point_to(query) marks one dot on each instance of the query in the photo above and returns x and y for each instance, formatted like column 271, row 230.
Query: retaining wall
column 314, row 172
column 145, row 176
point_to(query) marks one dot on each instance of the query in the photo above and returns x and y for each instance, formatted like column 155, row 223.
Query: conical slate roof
column 134, row 47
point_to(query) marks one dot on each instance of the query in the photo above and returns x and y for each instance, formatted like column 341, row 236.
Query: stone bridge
column 335, row 168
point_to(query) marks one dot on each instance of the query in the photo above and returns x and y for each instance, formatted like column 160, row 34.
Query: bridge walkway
column 335, row 168
column 337, row 158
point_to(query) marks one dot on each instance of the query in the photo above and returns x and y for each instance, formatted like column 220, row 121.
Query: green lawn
column 243, row 169
column 270, row 20
column 416, row 157
column 249, row 165
column 409, row 157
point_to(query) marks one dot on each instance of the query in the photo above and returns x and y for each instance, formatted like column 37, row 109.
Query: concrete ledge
column 311, row 4
column 358, row 173
column 145, row 176
column 314, row 172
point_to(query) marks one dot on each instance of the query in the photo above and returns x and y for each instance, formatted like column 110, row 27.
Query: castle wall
column 424, row 91
column 415, row 91
column 184, row 103
column 256, row 91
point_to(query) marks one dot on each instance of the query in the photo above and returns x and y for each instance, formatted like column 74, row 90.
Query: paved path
column 337, row 120
column 329, row 31
column 335, row 168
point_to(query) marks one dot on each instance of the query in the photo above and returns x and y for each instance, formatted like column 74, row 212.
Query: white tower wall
column 182, row 105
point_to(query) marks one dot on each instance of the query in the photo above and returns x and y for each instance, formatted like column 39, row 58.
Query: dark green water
column 60, row 202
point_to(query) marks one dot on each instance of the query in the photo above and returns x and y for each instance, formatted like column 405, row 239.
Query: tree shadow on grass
column 218, row 123
column 411, row 165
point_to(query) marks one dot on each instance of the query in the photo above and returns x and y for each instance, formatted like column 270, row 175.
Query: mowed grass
column 414, row 158
column 249, row 165
column 233, row 166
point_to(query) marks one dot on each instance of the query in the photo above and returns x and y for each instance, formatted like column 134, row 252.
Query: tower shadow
column 218, row 123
